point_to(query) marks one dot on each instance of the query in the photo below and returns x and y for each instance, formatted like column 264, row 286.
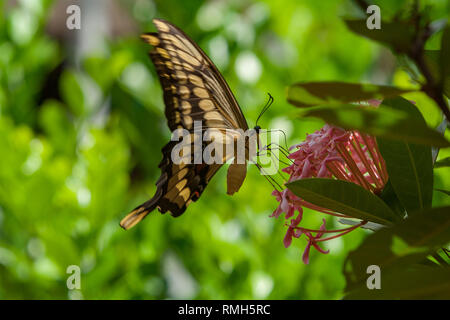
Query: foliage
column 80, row 134
column 410, row 249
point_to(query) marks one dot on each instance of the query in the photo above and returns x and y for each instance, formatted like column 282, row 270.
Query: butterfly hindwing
column 178, row 186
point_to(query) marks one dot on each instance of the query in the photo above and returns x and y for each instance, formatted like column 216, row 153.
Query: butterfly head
column 257, row 129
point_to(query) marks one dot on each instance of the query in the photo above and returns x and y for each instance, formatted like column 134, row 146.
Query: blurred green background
column 81, row 128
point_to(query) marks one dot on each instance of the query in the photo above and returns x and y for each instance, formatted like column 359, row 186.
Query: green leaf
column 389, row 196
column 445, row 52
column 420, row 283
column 343, row 197
column 443, row 191
column 107, row 70
column 397, row 35
column 432, row 59
column 72, row 92
column 399, row 246
column 409, row 165
column 319, row 93
column 410, row 172
column 382, row 122
column 443, row 163
column 445, row 60
column 441, row 129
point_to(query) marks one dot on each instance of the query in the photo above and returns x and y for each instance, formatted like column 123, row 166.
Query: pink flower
column 312, row 240
column 292, row 229
column 330, row 152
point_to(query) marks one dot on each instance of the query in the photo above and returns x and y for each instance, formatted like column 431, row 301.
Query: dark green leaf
column 397, row 35
column 390, row 198
column 383, row 122
column 420, row 283
column 319, row 93
column 438, row 61
column 409, row 165
column 410, row 172
column 432, row 59
column 446, row 88
column 343, row 197
column 403, row 244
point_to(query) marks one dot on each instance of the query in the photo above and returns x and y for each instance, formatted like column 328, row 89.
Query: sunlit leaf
column 72, row 92
column 447, row 192
column 389, row 196
column 320, row 93
column 134, row 120
column 343, row 197
column 433, row 61
column 443, row 163
column 107, row 70
column 410, row 172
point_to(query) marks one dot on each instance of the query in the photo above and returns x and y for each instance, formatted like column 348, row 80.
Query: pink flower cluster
column 328, row 153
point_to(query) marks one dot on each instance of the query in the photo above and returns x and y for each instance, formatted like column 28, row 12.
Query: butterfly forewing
column 193, row 87
column 194, row 90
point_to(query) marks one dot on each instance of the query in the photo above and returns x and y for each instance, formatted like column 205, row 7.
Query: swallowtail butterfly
column 194, row 90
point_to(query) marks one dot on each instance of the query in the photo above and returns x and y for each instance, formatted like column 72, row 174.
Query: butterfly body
column 194, row 90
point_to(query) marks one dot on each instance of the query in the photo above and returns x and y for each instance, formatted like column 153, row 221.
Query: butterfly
column 194, row 90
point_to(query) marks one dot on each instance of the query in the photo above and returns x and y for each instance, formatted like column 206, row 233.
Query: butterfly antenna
column 268, row 104
column 284, row 136
column 270, row 179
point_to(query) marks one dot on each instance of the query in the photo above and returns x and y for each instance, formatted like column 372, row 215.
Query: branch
column 432, row 88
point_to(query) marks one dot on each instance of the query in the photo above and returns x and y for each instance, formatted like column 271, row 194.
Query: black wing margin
column 178, row 186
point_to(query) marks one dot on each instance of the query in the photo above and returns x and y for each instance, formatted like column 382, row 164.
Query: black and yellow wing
column 194, row 90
